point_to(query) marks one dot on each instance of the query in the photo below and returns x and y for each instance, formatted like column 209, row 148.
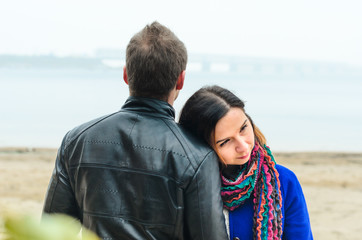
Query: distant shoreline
column 47, row 149
column 307, row 156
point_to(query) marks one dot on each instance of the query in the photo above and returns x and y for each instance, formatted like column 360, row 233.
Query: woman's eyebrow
column 240, row 128
column 242, row 125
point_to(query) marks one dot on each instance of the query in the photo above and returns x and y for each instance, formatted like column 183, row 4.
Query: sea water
column 38, row 106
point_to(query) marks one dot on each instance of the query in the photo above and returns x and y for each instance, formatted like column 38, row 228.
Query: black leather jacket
column 135, row 174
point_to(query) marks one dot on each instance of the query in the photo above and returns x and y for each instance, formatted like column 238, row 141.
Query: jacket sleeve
column 296, row 219
column 60, row 197
column 203, row 204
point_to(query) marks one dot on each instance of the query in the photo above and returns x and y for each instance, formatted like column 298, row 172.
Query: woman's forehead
column 232, row 121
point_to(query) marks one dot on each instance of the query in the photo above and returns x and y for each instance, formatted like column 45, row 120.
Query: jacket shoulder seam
column 70, row 141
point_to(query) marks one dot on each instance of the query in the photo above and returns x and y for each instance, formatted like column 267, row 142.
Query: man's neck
column 172, row 96
column 170, row 99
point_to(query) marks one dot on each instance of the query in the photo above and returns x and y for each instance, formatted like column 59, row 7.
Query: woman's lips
column 243, row 157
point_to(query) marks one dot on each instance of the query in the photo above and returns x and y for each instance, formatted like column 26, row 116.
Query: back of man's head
column 155, row 58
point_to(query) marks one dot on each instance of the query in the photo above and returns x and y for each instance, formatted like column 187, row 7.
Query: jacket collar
column 151, row 106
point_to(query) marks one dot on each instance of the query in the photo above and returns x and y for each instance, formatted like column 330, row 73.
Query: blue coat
column 296, row 224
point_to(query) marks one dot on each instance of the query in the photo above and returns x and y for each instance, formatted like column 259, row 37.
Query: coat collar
column 151, row 106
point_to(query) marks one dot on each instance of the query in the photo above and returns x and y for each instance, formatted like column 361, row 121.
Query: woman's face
column 234, row 137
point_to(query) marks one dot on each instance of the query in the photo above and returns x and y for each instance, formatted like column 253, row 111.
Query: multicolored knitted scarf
column 259, row 179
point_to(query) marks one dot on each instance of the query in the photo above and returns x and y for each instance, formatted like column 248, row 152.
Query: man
column 135, row 174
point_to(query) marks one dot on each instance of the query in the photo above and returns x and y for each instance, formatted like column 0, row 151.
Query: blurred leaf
column 51, row 227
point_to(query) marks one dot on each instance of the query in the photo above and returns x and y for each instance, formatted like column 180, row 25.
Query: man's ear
column 125, row 77
column 180, row 80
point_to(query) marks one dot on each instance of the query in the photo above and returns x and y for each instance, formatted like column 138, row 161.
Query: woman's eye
column 243, row 127
column 223, row 143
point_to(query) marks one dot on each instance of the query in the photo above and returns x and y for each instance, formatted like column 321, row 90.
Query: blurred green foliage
column 51, row 227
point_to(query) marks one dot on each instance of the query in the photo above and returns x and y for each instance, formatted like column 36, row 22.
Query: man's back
column 136, row 175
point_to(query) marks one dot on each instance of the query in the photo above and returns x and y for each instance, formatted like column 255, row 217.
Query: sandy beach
column 331, row 183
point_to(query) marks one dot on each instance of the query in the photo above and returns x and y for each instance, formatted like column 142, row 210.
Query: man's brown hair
column 155, row 58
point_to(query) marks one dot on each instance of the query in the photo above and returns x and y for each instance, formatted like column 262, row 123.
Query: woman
column 262, row 200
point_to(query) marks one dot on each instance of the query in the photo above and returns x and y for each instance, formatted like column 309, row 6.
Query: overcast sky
column 326, row 30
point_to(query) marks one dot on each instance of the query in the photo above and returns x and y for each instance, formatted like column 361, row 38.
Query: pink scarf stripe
column 270, row 206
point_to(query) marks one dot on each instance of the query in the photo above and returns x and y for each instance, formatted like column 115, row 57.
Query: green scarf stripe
column 269, row 153
column 240, row 186
column 264, row 227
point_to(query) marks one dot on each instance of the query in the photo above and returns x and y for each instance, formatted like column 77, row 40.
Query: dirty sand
column 332, row 184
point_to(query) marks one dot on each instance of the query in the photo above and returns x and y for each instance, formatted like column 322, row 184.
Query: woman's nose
column 241, row 145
